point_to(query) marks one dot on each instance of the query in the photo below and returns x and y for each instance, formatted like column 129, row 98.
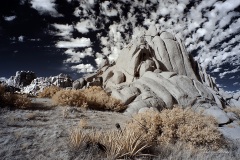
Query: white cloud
column 164, row 11
column 106, row 51
column 106, row 10
column 45, row 7
column 21, row 38
column 83, row 68
column 228, row 72
column 9, row 18
column 74, row 43
column 201, row 32
column 99, row 58
column 236, row 83
column 64, row 30
column 216, row 70
column 84, row 25
column 226, row 19
column 38, row 39
column 104, row 41
column 75, row 57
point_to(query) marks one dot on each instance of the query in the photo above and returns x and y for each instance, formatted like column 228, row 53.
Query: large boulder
column 79, row 83
column 155, row 71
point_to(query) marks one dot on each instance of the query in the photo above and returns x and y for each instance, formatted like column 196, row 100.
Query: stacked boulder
column 155, row 72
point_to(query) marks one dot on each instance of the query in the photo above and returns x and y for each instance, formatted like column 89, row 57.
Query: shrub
column 18, row 101
column 48, row 92
column 98, row 99
column 69, row 97
column 22, row 101
column 177, row 124
column 93, row 98
column 2, row 91
column 13, row 100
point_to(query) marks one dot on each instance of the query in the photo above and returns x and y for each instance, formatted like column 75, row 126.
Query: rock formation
column 38, row 84
column 21, row 79
column 27, row 82
column 155, row 71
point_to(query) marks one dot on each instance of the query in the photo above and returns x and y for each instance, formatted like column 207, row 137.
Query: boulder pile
column 27, row 82
column 156, row 72
column 21, row 79
column 38, row 84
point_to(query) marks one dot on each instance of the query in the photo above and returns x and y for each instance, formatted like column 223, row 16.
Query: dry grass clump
column 93, row 98
column 69, row 97
column 177, row 124
column 98, row 99
column 114, row 144
column 126, row 144
column 48, row 92
column 77, row 138
column 83, row 123
column 13, row 100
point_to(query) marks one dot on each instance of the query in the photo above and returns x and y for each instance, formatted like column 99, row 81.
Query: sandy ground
column 42, row 131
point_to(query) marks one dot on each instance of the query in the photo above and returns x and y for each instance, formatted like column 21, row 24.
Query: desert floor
column 42, row 131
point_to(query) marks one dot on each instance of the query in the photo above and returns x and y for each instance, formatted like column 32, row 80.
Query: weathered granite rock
column 232, row 116
column 39, row 83
column 62, row 80
column 203, row 90
column 145, row 109
column 21, row 79
column 218, row 114
column 79, row 83
column 118, row 77
column 126, row 94
column 236, row 96
column 156, row 71
column 234, row 103
column 225, row 96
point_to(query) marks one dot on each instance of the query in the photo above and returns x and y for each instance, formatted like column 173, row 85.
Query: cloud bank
column 74, row 43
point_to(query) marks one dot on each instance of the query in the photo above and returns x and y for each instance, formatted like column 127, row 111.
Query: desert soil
column 42, row 131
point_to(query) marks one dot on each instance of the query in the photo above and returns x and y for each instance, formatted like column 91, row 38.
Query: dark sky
column 72, row 36
column 37, row 51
